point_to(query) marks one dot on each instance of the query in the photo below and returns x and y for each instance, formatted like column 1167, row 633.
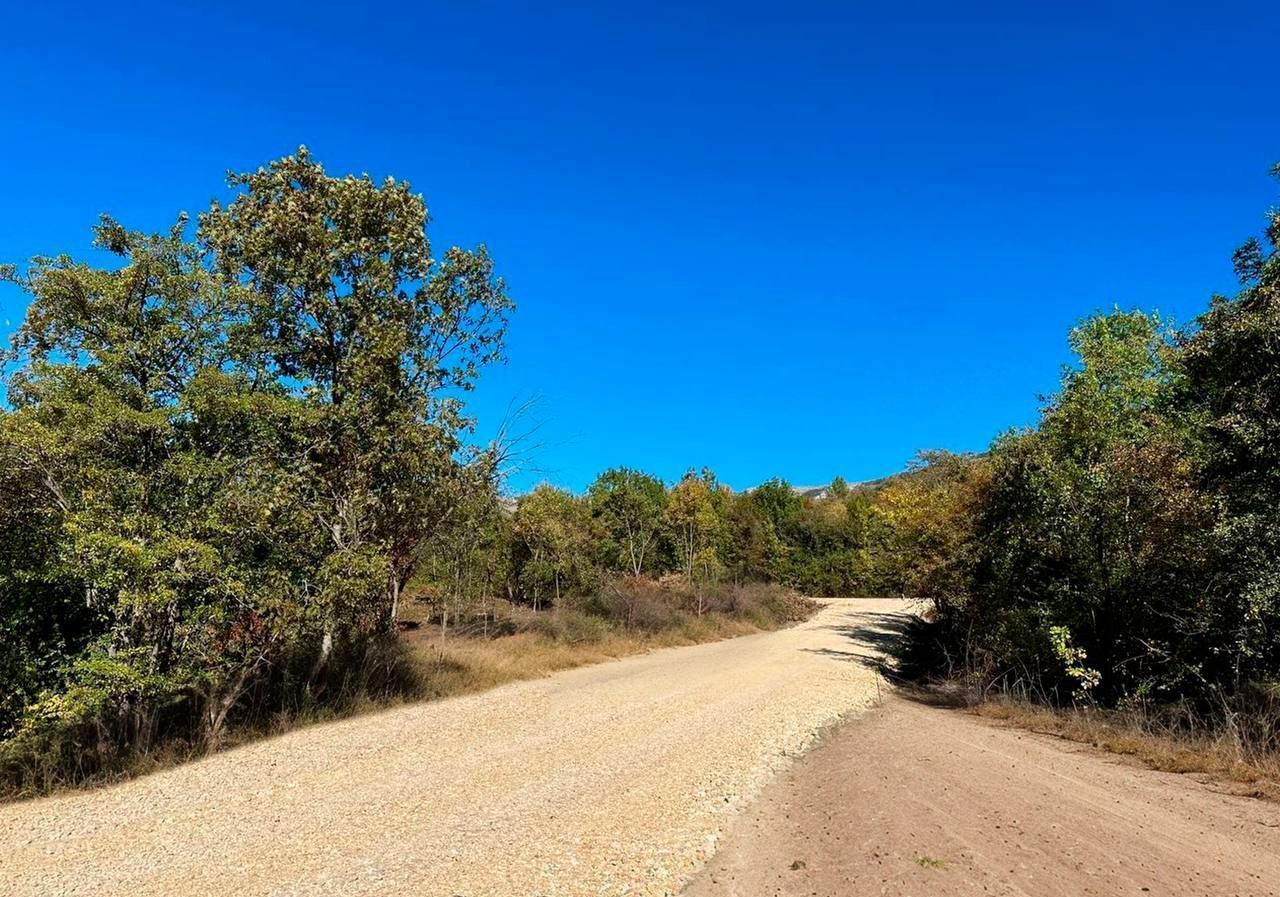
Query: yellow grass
column 462, row 665
column 1216, row 756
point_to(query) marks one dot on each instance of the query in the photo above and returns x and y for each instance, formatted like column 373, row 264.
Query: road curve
column 606, row 780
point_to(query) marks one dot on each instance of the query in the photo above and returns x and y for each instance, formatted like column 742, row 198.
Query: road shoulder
column 911, row 799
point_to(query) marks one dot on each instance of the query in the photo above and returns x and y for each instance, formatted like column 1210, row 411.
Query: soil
column 933, row 802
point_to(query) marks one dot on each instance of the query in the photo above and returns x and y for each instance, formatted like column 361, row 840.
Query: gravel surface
column 924, row 801
column 606, row 780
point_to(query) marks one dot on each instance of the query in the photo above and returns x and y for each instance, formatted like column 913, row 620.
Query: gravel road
column 607, row 780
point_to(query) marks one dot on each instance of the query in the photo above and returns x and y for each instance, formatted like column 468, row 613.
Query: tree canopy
column 228, row 446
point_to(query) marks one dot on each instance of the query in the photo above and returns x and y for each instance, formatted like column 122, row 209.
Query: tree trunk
column 220, row 705
column 395, row 599
column 322, row 660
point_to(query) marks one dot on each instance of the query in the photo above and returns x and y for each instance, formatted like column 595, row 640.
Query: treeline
column 222, row 456
column 1125, row 551
column 553, row 546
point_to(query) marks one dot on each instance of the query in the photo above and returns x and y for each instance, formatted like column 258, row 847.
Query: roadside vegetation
column 235, row 475
column 627, row 616
column 237, row 492
column 1120, row 560
column 1168, row 738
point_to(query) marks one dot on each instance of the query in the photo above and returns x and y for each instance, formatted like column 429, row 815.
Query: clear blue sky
column 772, row 239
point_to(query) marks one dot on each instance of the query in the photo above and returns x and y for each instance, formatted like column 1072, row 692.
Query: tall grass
column 623, row 617
column 110, row 741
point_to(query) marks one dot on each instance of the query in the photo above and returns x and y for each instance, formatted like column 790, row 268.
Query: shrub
column 767, row 604
column 571, row 626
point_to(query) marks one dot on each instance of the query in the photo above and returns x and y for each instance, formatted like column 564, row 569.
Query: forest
column 237, row 484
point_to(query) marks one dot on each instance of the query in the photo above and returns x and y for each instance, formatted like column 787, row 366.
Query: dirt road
column 607, row 780
column 915, row 800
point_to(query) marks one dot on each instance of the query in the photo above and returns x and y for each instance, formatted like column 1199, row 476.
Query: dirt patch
column 917, row 800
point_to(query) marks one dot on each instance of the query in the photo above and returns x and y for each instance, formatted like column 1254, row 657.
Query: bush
column 571, row 626
column 767, row 605
column 638, row 604
column 635, row 603
column 114, row 720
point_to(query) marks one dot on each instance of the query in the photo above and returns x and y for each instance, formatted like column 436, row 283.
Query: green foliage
column 1091, row 525
column 340, row 301
column 1073, row 661
column 630, row 523
column 1125, row 549
column 1231, row 384
column 554, row 539
column 228, row 452
column 467, row 558
column 779, row 502
column 694, row 523
column 630, row 505
column 750, row 546
column 224, row 451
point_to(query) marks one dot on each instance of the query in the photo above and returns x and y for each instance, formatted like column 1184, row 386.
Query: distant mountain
column 821, row 492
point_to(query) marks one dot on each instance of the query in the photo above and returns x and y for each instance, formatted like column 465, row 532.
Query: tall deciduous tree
column 553, row 528
column 751, row 547
column 1231, row 382
column 340, row 298
column 230, row 447
column 631, row 505
column 693, row 519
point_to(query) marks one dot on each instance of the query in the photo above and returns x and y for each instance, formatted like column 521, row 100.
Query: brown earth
column 927, row 801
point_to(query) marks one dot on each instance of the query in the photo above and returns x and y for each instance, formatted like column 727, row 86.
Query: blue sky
column 796, row 239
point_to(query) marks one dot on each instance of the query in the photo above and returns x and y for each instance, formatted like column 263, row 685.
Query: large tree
column 223, row 451
column 340, row 299
column 1231, row 382
column 554, row 533
column 694, row 521
column 154, row 470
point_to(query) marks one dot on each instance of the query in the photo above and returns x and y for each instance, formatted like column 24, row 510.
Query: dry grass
column 462, row 664
column 470, row 663
column 629, row 616
column 1215, row 753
